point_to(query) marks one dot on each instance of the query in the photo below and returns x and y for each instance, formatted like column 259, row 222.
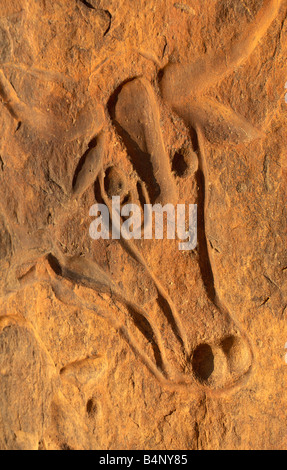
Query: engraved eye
column 115, row 183
column 185, row 163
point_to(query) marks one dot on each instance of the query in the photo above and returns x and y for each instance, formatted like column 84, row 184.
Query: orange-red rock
column 112, row 344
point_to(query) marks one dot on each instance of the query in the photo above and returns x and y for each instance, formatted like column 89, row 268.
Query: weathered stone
column 133, row 344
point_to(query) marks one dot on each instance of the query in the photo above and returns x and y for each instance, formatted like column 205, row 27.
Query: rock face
column 134, row 344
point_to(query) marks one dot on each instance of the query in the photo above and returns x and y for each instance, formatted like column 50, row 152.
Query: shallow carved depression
column 115, row 183
column 185, row 163
column 137, row 118
column 222, row 363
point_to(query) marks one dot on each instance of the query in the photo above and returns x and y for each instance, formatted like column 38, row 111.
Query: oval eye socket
column 185, row 163
column 115, row 183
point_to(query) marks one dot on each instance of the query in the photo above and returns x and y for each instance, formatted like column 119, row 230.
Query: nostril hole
column 237, row 353
column 203, row 362
column 227, row 345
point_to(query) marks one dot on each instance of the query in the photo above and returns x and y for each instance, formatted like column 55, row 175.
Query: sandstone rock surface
column 134, row 344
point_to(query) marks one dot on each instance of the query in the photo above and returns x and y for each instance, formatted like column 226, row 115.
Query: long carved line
column 211, row 266
column 103, row 283
column 67, row 296
column 134, row 252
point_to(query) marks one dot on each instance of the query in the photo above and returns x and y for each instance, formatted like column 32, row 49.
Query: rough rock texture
column 114, row 344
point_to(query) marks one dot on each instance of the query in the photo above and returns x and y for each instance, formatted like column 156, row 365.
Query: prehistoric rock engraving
column 212, row 368
column 137, row 114
column 91, row 167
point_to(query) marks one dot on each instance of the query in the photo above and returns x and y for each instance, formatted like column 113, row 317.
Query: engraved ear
column 82, row 271
column 91, row 166
column 89, row 121
column 218, row 122
column 88, row 273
